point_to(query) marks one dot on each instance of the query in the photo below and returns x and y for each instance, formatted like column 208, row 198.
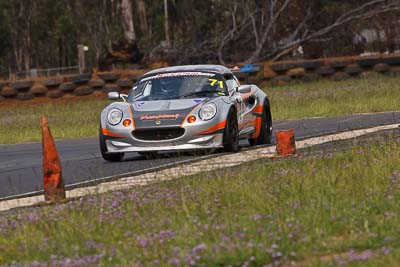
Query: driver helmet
column 168, row 86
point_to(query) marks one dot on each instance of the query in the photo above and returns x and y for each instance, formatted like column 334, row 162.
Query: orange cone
column 285, row 142
column 53, row 184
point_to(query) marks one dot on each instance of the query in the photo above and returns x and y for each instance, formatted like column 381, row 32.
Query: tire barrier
column 8, row 91
column 96, row 83
column 56, row 93
column 339, row 64
column 108, row 77
column 341, row 76
column 54, row 82
column 368, row 62
column 25, row 96
column 353, row 70
column 111, row 88
column 296, row 73
column 325, row 71
column 83, row 90
column 81, row 78
column 381, row 68
column 279, row 73
column 38, row 90
column 310, row 65
column 67, row 87
column 22, row 86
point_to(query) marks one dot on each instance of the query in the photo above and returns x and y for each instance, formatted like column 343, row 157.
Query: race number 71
column 214, row 81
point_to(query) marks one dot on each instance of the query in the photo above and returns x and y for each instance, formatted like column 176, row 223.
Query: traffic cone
column 53, row 184
column 285, row 142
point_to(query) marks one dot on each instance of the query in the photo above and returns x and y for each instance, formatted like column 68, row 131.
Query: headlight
column 114, row 116
column 208, row 112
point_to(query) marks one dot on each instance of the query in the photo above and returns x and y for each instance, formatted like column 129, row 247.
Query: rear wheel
column 231, row 133
column 114, row 157
column 265, row 131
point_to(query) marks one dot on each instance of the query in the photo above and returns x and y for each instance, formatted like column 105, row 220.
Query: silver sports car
column 185, row 108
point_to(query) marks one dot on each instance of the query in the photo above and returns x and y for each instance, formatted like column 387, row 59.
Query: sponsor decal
column 197, row 100
column 178, row 74
column 159, row 116
column 139, row 104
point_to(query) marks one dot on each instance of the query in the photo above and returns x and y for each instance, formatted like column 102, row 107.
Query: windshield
column 179, row 85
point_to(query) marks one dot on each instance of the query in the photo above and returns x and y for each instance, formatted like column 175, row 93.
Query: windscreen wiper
column 201, row 92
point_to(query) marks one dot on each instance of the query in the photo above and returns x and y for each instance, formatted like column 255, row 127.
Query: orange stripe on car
column 216, row 127
column 133, row 120
column 258, row 109
column 257, row 123
column 109, row 133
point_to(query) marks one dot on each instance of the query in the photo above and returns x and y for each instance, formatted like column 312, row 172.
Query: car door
column 232, row 84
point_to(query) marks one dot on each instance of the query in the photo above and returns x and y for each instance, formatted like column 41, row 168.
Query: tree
column 166, row 24
column 127, row 22
column 277, row 27
column 20, row 22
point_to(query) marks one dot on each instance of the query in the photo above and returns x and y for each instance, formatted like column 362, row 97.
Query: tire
column 309, row 65
column 22, row 86
column 81, row 78
column 231, row 133
column 265, row 131
column 113, row 157
column 52, row 82
column 108, row 76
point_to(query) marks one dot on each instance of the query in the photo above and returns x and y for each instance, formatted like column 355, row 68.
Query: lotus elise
column 185, row 108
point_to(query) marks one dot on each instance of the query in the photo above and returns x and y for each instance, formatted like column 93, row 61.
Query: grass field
column 320, row 209
column 328, row 98
column 76, row 118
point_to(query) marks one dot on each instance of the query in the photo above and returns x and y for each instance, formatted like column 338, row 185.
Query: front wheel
column 113, row 157
column 231, row 133
column 265, row 131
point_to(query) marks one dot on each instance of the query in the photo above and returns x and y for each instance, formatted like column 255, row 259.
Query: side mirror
column 244, row 89
column 113, row 95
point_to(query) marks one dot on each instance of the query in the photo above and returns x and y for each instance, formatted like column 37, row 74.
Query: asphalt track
column 21, row 165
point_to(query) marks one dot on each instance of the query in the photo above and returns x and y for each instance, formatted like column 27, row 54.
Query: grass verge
column 319, row 209
column 328, row 98
column 77, row 118
column 68, row 118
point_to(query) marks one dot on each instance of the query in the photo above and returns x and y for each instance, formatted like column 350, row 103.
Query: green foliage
column 197, row 28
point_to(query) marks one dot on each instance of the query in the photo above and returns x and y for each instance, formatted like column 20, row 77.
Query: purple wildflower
column 199, row 248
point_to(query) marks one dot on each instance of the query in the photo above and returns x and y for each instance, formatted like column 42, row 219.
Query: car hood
column 162, row 113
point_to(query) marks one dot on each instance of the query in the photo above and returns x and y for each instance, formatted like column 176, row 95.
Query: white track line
column 205, row 165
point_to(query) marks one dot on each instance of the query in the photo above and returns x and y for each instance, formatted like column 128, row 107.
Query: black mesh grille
column 158, row 134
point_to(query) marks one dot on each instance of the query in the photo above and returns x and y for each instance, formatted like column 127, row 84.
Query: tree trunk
column 20, row 29
column 142, row 17
column 166, row 24
column 127, row 22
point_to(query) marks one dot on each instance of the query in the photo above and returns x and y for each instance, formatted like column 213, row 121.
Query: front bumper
column 183, row 143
